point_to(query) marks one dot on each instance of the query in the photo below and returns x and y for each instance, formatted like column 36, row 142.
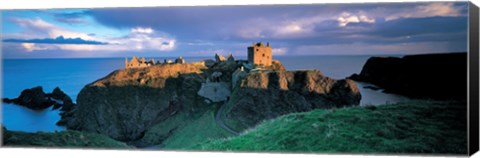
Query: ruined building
column 135, row 63
column 238, row 75
column 220, row 58
column 180, row 60
column 259, row 54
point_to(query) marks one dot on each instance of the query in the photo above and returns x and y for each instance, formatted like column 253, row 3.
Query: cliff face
column 127, row 102
column 266, row 95
column 435, row 76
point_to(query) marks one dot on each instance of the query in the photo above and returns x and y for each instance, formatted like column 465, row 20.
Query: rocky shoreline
column 128, row 102
column 36, row 99
column 426, row 76
column 153, row 105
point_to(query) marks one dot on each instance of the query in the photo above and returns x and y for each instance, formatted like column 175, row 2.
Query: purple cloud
column 58, row 40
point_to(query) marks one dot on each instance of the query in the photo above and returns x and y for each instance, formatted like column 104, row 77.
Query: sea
column 71, row 75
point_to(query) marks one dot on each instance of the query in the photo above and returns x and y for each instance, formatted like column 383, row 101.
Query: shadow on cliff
column 284, row 93
column 124, row 111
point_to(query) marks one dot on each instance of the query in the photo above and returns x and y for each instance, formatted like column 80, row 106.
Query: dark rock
column 36, row 99
column 127, row 102
column 6, row 100
column 56, row 106
column 33, row 98
column 66, row 102
column 433, row 76
column 266, row 95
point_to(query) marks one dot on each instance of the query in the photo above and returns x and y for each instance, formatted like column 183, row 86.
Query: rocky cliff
column 130, row 104
column 124, row 104
column 268, row 94
column 435, row 76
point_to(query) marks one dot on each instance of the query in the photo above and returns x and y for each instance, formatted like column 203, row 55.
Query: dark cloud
column 418, row 26
column 232, row 28
column 72, row 17
column 58, row 40
column 213, row 22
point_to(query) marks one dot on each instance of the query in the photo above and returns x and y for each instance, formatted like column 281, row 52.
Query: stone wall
column 260, row 55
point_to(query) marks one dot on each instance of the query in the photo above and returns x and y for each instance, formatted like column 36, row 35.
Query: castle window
column 263, row 55
column 257, row 49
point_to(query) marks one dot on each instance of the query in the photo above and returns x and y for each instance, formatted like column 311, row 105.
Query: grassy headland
column 414, row 127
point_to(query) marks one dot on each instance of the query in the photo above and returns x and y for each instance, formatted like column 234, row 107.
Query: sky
column 318, row 29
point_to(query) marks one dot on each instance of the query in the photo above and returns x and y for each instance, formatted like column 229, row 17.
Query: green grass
column 232, row 123
column 416, row 127
column 64, row 139
column 200, row 130
column 183, row 131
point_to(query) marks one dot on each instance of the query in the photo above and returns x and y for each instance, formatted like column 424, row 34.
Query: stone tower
column 260, row 54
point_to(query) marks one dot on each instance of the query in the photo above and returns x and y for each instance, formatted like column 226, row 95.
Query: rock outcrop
column 434, row 76
column 127, row 102
column 265, row 95
column 35, row 98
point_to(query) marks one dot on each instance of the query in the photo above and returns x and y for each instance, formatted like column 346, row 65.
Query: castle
column 136, row 63
column 259, row 54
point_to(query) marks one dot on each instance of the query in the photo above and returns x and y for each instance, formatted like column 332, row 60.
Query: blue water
column 337, row 67
column 71, row 75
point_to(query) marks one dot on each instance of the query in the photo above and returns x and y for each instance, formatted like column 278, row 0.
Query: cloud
column 145, row 39
column 267, row 21
column 345, row 18
column 142, row 30
column 279, row 51
column 31, row 47
column 292, row 29
column 448, row 9
column 418, row 26
column 43, row 32
column 58, row 40
column 76, row 17
column 381, row 49
column 39, row 28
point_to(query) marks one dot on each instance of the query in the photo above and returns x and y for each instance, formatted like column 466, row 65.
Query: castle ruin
column 259, row 54
column 135, row 63
column 139, row 63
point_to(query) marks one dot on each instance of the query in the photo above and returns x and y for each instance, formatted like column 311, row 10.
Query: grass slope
column 415, row 127
column 66, row 139
column 205, row 128
column 183, row 130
